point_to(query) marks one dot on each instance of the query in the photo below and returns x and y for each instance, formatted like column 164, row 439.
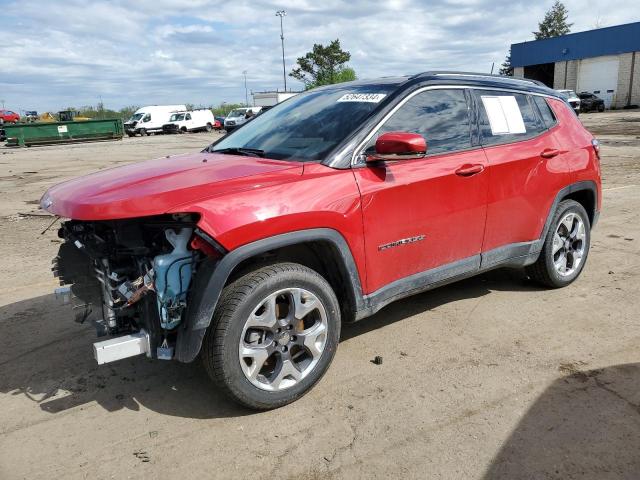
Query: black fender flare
column 589, row 185
column 213, row 274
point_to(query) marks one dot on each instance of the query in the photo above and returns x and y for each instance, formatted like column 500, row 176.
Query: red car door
column 423, row 214
column 525, row 171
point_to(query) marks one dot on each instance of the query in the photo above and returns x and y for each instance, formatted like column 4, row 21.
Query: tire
column 208, row 127
column 270, row 382
column 601, row 108
column 142, row 132
column 574, row 245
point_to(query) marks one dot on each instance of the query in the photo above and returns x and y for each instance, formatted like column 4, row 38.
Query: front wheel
column 565, row 248
column 143, row 132
column 273, row 335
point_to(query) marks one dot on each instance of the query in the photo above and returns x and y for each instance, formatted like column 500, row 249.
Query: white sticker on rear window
column 362, row 97
column 504, row 115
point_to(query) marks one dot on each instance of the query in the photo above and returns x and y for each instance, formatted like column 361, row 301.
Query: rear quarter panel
column 575, row 142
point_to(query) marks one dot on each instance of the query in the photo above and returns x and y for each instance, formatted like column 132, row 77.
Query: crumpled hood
column 159, row 186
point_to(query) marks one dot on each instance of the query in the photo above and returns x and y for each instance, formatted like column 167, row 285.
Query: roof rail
column 481, row 75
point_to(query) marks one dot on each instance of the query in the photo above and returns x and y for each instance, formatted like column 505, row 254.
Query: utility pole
column 282, row 14
column 246, row 95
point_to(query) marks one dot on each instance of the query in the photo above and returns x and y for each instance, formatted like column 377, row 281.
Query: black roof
column 481, row 80
column 457, row 78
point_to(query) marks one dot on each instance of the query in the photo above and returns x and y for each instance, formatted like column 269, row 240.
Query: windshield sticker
column 362, row 97
column 504, row 115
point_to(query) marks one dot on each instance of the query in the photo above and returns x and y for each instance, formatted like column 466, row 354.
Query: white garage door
column 600, row 76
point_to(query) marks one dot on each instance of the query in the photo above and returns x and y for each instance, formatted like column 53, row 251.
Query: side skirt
column 513, row 255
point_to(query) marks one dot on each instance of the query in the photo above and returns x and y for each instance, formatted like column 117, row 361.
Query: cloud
column 56, row 54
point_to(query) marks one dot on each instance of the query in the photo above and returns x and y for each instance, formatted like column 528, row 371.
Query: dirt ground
column 490, row 378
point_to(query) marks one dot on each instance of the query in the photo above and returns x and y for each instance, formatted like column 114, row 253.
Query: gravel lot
column 489, row 378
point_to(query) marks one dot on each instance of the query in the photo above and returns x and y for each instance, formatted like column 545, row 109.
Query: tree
column 324, row 66
column 554, row 23
column 224, row 108
column 346, row 74
column 506, row 69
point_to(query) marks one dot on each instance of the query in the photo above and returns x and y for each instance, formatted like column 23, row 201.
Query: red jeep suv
column 319, row 212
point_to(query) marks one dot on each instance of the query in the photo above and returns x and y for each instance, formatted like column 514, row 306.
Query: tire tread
column 539, row 271
column 232, row 296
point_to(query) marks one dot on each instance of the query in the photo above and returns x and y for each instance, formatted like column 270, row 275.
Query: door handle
column 549, row 152
column 468, row 169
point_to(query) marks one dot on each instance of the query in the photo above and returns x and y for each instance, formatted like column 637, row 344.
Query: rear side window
column 546, row 113
column 440, row 116
column 506, row 117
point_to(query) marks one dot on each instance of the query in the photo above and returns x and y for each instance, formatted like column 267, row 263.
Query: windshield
column 176, row 117
column 310, row 125
column 136, row 116
column 237, row 113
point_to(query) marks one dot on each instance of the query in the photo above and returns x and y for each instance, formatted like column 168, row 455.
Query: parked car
column 253, row 253
column 7, row 116
column 150, row 119
column 571, row 98
column 219, row 124
column 31, row 115
column 239, row 116
column 190, row 121
column 590, row 102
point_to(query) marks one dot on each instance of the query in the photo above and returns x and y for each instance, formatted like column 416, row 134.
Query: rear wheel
column 565, row 248
column 601, row 108
column 208, row 128
column 273, row 335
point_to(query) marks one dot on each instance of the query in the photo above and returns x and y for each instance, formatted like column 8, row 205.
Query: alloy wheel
column 283, row 339
column 569, row 244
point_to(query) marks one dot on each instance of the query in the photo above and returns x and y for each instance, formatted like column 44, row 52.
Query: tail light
column 596, row 147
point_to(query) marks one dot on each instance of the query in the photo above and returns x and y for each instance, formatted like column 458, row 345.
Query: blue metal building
column 604, row 61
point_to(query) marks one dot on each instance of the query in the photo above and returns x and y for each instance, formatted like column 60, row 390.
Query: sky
column 57, row 54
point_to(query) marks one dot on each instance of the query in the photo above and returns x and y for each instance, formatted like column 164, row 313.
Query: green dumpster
column 63, row 132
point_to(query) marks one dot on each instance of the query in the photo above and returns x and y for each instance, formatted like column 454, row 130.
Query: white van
column 190, row 121
column 270, row 99
column 237, row 117
column 150, row 119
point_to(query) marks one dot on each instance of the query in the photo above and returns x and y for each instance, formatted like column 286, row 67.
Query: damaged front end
column 132, row 279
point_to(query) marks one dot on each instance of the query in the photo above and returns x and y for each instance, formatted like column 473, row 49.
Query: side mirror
column 399, row 146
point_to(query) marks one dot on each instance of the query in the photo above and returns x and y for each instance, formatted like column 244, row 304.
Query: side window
column 188, row 116
column 546, row 113
column 440, row 116
column 506, row 117
column 147, row 117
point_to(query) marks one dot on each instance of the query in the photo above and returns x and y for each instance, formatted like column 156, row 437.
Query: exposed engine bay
column 132, row 278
